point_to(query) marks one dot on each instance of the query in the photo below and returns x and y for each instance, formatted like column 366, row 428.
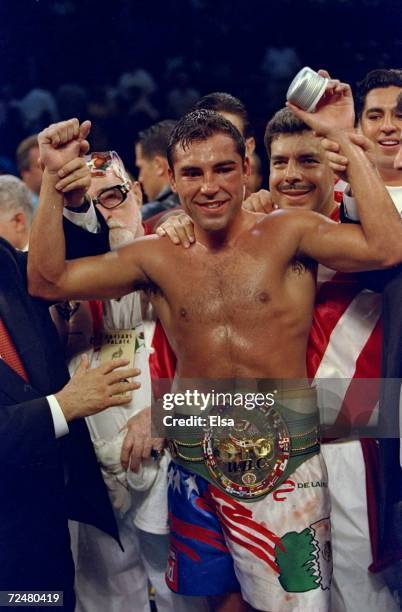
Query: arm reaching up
column 335, row 111
column 377, row 243
column 50, row 276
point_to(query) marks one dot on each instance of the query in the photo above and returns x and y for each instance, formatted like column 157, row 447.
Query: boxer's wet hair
column 200, row 125
column 375, row 79
column 283, row 122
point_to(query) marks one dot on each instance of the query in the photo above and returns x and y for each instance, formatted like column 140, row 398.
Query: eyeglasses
column 111, row 197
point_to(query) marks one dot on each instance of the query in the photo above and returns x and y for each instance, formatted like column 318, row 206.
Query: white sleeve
column 87, row 220
column 350, row 206
column 59, row 421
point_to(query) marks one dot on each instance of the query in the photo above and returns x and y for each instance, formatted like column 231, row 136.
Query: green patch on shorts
column 304, row 559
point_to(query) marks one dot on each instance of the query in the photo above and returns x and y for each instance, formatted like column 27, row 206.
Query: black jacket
column 44, row 481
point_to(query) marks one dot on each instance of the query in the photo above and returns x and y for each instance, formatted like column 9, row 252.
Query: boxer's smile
column 209, row 177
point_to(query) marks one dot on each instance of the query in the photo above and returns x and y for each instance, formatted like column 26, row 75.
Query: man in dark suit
column 48, row 469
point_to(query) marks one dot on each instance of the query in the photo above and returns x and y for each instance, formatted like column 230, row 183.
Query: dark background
column 218, row 45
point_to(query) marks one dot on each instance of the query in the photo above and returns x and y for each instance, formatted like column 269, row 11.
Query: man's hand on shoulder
column 62, row 142
column 179, row 228
column 260, row 202
column 92, row 390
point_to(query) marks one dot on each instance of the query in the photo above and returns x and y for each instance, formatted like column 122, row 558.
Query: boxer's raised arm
column 51, row 277
column 377, row 242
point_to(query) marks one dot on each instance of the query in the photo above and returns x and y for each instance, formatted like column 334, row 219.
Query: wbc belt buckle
column 249, row 458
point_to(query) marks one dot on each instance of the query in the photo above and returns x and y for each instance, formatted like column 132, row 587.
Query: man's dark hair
column 154, row 140
column 375, row 79
column 283, row 122
column 222, row 102
column 199, row 125
column 23, row 149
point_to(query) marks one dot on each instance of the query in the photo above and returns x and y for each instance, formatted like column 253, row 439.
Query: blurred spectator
column 152, row 164
column 7, row 166
column 133, row 111
column 280, row 64
column 137, row 88
column 72, row 101
column 11, row 123
column 255, row 179
column 16, row 211
column 29, row 166
column 182, row 97
column 38, row 109
column 100, row 112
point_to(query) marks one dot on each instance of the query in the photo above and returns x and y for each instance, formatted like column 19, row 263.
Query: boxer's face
column 300, row 176
column 124, row 220
column 210, row 176
column 381, row 122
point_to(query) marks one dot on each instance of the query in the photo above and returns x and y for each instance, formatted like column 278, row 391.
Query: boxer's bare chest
column 233, row 307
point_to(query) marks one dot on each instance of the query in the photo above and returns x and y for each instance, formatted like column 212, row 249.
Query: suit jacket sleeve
column 81, row 243
column 27, row 435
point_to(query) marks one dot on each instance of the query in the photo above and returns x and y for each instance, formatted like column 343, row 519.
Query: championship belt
column 248, row 459
column 252, row 456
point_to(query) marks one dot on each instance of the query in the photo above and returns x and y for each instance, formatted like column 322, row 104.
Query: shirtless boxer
column 300, row 177
column 245, row 290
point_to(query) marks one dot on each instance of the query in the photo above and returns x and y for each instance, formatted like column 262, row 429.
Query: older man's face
column 8, row 228
column 124, row 220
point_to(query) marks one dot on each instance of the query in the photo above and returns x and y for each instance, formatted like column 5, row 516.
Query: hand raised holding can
column 324, row 104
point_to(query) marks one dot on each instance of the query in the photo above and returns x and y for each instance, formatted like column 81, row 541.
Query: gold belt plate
column 248, row 459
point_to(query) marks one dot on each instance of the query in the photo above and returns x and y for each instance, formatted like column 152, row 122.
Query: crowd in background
column 136, row 63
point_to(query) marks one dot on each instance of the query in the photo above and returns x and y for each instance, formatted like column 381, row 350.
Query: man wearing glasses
column 110, row 189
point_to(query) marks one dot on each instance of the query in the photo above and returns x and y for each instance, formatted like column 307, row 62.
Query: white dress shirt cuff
column 59, row 421
column 350, row 207
column 87, row 220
